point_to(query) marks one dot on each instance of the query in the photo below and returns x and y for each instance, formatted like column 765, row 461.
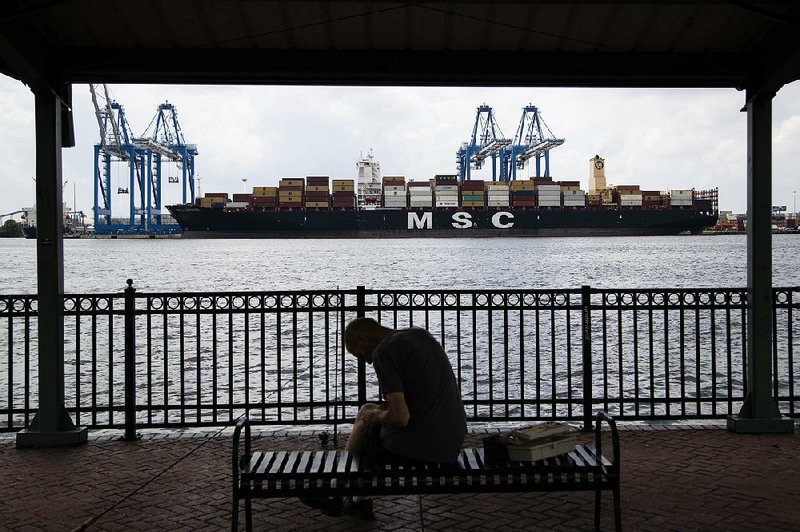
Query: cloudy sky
column 660, row 139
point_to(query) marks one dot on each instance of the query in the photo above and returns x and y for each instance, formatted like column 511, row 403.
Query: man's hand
column 397, row 415
column 368, row 414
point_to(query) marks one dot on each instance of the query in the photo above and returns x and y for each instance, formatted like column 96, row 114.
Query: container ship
column 444, row 206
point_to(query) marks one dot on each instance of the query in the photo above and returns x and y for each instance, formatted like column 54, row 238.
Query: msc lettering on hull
column 460, row 220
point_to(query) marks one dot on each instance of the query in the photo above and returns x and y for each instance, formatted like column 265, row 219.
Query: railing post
column 586, row 326
column 130, row 362
column 361, row 303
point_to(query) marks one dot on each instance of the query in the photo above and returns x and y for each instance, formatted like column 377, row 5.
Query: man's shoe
column 361, row 509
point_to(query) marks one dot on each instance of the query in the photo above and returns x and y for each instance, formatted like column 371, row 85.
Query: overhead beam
column 374, row 67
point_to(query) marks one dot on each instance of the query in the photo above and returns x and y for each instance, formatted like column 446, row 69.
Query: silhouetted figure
column 423, row 417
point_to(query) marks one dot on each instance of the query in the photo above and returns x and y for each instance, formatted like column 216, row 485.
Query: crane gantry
column 533, row 140
column 487, row 141
column 144, row 156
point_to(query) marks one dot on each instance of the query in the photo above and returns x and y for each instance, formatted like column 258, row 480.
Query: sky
column 657, row 138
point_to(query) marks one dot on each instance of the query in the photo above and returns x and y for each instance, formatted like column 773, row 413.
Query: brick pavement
column 674, row 477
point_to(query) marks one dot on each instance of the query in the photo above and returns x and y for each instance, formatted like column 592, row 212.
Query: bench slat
column 587, row 457
column 277, row 463
column 605, row 461
column 344, row 458
column 330, row 458
column 253, row 462
column 305, row 460
column 317, row 463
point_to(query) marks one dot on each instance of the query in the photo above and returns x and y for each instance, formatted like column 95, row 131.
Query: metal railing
column 188, row 359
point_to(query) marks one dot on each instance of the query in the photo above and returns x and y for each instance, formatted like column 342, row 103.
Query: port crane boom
column 487, row 141
column 533, row 140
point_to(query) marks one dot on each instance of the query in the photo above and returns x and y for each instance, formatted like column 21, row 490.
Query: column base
column 769, row 425
column 27, row 438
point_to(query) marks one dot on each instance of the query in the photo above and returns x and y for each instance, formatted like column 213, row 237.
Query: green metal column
column 52, row 425
column 759, row 412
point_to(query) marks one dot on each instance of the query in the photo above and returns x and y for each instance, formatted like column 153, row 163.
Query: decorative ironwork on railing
column 187, row 359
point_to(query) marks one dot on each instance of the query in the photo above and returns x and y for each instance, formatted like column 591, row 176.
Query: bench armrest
column 598, row 440
column 243, row 424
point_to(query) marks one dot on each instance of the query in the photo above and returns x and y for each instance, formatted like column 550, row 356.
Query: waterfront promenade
column 674, row 477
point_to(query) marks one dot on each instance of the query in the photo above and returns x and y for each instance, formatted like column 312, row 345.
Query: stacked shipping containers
column 394, row 192
column 290, row 193
column 344, row 196
column 472, row 194
column 571, row 194
column 548, row 194
column 497, row 194
column 681, row 198
column 216, row 200
column 420, row 194
column 318, row 193
column 629, row 195
column 240, row 202
column 265, row 198
column 522, row 194
column 446, row 191
column 651, row 199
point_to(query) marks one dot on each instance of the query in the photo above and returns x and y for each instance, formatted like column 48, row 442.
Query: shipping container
column 218, row 195
column 265, row 191
column 472, row 197
column 681, row 193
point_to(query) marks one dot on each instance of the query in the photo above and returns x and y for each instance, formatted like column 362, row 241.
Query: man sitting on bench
column 423, row 418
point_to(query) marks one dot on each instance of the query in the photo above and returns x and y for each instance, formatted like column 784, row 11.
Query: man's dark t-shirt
column 413, row 362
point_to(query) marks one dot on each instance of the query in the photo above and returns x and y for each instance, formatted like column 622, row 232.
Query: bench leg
column 248, row 514
column 235, row 512
column 617, row 510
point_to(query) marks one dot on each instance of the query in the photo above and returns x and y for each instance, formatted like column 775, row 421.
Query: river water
column 103, row 265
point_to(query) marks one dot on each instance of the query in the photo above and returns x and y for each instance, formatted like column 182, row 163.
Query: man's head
column 362, row 336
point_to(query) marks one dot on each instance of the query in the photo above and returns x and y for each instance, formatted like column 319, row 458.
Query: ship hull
column 198, row 222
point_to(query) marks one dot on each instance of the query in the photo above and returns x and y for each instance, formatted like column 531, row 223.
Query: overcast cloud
column 660, row 139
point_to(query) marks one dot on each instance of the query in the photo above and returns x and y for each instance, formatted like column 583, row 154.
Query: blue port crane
column 533, row 140
column 116, row 145
column 487, row 141
column 164, row 141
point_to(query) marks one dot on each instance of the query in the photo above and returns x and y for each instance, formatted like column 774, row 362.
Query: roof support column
column 52, row 425
column 759, row 412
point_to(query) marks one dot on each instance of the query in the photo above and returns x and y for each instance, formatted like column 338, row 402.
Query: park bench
column 306, row 473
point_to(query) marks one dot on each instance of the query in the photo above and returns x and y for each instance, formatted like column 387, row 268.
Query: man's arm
column 395, row 416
